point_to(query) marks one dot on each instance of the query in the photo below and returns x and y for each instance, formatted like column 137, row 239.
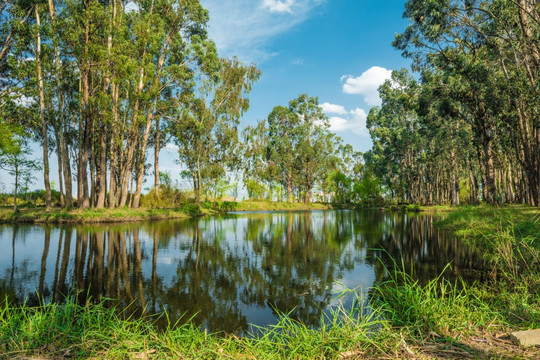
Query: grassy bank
column 58, row 216
column 407, row 320
column 510, row 238
column 263, row 205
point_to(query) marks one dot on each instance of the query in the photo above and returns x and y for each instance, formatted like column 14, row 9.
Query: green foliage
column 438, row 307
column 206, row 130
column 294, row 150
column 255, row 189
column 342, row 187
column 169, row 197
column 479, row 77
column 510, row 238
column 368, row 192
column 412, row 207
column 14, row 160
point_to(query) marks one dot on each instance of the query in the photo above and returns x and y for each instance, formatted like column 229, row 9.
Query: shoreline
column 92, row 216
column 40, row 216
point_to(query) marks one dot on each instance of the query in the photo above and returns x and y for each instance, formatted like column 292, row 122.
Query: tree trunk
column 490, row 175
column 156, row 162
column 524, row 8
column 42, row 114
column 140, row 172
column 155, row 86
column 85, row 151
column 198, row 190
column 58, row 124
column 132, row 143
column 102, row 170
column 93, row 173
column 455, row 194
column 289, row 189
column 66, row 164
column 114, row 149
column 15, row 209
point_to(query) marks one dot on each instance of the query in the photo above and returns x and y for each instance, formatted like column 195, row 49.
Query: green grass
column 406, row 319
column 509, row 237
column 56, row 215
column 94, row 331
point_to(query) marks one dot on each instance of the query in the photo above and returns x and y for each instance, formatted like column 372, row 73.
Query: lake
column 225, row 273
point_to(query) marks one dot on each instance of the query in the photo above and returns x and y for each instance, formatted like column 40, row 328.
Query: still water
column 226, row 272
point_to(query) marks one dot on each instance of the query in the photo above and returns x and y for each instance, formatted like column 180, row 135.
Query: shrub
column 169, row 197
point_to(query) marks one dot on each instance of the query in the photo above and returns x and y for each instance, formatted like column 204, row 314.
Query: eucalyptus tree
column 283, row 137
column 491, row 46
column 39, row 79
column 13, row 29
column 129, row 66
column 14, row 15
column 394, row 130
column 316, row 144
column 255, row 151
column 206, row 127
column 183, row 49
column 295, row 149
column 17, row 164
column 450, row 157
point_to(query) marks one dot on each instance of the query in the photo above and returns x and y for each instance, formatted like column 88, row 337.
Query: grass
column 266, row 205
column 75, row 331
column 57, row 215
column 406, row 320
column 510, row 238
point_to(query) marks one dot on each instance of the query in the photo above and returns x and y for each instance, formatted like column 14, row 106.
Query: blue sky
column 338, row 50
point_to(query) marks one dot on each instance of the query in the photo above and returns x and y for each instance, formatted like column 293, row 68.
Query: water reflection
column 226, row 272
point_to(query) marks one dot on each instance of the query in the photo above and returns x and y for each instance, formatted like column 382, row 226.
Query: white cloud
column 131, row 6
column 278, row 6
column 243, row 27
column 367, row 84
column 333, row 109
column 353, row 120
column 171, row 147
column 24, row 101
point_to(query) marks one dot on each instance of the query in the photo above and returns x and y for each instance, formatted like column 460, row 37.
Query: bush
column 169, row 197
column 412, row 207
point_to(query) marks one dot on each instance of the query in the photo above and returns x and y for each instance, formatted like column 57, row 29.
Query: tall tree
column 283, row 128
column 44, row 135
column 491, row 46
column 17, row 164
column 206, row 130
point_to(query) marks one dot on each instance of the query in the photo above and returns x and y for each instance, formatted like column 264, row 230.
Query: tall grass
column 510, row 238
column 439, row 307
column 95, row 331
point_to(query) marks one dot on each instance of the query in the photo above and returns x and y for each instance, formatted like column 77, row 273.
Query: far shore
column 40, row 215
